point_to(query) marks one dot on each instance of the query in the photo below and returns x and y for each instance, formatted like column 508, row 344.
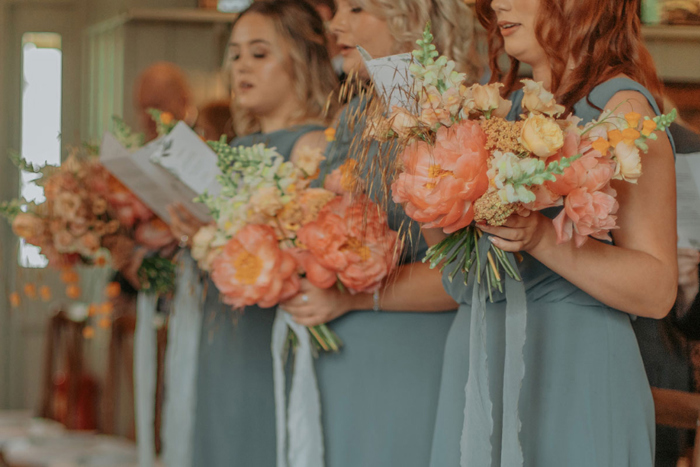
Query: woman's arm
column 639, row 275
column 416, row 288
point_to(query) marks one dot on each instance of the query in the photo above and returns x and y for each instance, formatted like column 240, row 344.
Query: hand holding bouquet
column 465, row 163
column 271, row 227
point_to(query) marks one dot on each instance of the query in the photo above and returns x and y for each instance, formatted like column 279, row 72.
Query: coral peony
column 352, row 239
column 252, row 270
column 592, row 171
column 439, row 184
column 587, row 214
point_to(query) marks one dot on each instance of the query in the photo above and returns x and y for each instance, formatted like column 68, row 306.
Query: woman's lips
column 507, row 28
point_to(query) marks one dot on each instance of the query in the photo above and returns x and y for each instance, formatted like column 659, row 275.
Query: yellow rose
column 541, row 136
column 266, row 201
column 536, row 99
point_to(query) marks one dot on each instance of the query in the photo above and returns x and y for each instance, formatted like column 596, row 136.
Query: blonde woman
column 379, row 394
column 281, row 76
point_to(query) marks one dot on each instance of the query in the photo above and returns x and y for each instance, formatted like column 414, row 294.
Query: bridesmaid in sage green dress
column 281, row 76
column 585, row 400
column 379, row 393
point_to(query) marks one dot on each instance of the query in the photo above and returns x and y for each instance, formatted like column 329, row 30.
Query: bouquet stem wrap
column 145, row 378
column 476, row 449
column 184, row 330
column 299, row 432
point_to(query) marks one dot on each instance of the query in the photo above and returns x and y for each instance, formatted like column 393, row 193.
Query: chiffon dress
column 585, row 400
column 235, row 414
column 379, row 393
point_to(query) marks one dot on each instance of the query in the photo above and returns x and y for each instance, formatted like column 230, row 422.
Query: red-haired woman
column 584, row 400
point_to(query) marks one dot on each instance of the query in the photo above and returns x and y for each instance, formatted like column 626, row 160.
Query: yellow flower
column 330, row 134
column 166, row 118
column 633, row 119
column 648, row 127
column 541, row 136
column 614, row 137
column 630, row 135
column 601, row 145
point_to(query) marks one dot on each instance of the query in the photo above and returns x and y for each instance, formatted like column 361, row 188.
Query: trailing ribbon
column 475, row 445
column 300, row 422
column 145, row 378
column 184, row 330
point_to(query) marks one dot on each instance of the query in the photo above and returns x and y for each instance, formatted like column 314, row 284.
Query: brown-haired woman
column 281, row 76
column 585, row 399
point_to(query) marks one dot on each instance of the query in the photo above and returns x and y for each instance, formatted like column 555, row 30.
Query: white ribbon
column 184, row 329
column 475, row 444
column 300, row 423
column 145, row 378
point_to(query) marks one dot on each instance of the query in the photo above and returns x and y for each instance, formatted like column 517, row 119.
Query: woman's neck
column 280, row 117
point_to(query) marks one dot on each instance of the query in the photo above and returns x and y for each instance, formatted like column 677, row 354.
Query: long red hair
column 602, row 36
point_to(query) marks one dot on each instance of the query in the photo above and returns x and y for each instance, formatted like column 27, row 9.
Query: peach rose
column 544, row 198
column 440, row 183
column 154, row 234
column 27, row 226
column 266, row 201
column 252, row 270
column 308, row 160
column 88, row 244
column 541, row 136
column 487, row 99
column 402, row 122
column 64, row 242
column 66, row 205
column 538, row 100
column 587, row 214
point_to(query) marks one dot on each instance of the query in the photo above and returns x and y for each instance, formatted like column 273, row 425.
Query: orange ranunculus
column 587, row 214
column 440, row 183
column 353, row 239
column 153, row 234
column 592, row 171
column 253, row 270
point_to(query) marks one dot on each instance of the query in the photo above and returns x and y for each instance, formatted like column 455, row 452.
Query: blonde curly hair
column 452, row 23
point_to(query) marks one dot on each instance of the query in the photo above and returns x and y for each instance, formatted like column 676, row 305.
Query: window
column 41, row 119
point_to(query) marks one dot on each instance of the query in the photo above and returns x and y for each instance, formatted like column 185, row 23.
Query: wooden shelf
column 671, row 33
column 171, row 15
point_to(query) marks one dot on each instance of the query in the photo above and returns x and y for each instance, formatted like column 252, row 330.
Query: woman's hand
column 183, row 224
column 519, row 233
column 313, row 306
column 688, row 280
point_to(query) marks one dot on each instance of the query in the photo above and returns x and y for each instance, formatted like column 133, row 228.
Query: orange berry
column 92, row 310
column 45, row 293
column 104, row 323
column 30, row 291
column 69, row 276
column 166, row 118
column 15, row 299
column 106, row 308
column 113, row 290
column 88, row 332
column 73, row 291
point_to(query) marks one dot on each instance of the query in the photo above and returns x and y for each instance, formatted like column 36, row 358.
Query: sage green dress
column 235, row 413
column 379, row 393
column 585, row 399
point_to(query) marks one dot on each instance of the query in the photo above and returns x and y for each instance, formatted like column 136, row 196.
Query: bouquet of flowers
column 74, row 223
column 271, row 227
column 464, row 163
